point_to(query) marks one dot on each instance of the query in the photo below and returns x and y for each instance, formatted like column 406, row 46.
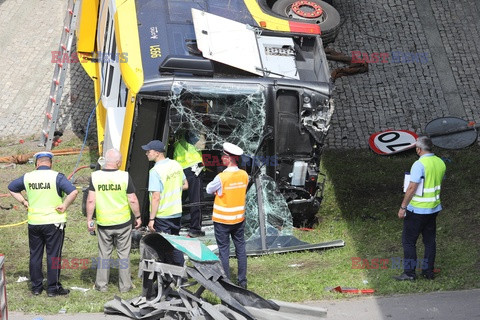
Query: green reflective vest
column 171, row 175
column 41, row 188
column 111, row 202
column 434, row 172
column 186, row 154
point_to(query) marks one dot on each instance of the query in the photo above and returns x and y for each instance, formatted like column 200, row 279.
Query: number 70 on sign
column 392, row 141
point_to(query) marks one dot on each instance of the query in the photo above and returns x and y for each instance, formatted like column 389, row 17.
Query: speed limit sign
column 392, row 141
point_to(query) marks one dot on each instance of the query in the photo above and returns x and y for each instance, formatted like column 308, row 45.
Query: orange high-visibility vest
column 229, row 208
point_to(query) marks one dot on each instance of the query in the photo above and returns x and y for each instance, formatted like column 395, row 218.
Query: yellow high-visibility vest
column 171, row 175
column 111, row 201
column 434, row 172
column 186, row 154
column 41, row 189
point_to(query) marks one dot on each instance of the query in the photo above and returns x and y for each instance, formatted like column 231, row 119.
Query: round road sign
column 451, row 132
column 392, row 141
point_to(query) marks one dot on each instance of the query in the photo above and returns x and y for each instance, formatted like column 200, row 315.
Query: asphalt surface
column 436, row 305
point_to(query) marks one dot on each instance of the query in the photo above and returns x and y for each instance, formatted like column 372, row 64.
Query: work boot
column 37, row 292
column 59, row 292
column 428, row 275
column 243, row 285
column 404, row 277
column 196, row 234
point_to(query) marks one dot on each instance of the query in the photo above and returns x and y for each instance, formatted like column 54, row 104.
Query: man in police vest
column 187, row 155
column 230, row 187
column 419, row 210
column 46, row 219
column 165, row 183
column 112, row 194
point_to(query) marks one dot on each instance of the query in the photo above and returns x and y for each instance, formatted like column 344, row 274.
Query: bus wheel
column 313, row 11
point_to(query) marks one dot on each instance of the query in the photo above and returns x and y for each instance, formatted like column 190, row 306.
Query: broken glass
column 277, row 216
column 220, row 113
column 236, row 113
column 233, row 113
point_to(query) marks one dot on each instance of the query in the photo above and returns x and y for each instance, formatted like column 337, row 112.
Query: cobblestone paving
column 404, row 95
column 391, row 95
column 29, row 31
column 460, row 31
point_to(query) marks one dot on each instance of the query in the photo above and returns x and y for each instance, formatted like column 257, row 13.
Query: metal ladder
column 56, row 90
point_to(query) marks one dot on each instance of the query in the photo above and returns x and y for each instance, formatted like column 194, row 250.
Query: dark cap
column 191, row 137
column 155, row 145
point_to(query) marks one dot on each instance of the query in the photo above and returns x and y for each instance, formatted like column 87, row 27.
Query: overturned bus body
column 228, row 70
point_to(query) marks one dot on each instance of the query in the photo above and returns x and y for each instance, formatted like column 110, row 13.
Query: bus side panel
column 296, row 143
column 86, row 26
column 149, row 124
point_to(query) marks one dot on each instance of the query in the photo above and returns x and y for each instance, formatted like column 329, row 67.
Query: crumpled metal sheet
column 317, row 122
column 166, row 292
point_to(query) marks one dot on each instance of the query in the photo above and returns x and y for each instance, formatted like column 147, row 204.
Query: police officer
column 112, row 193
column 46, row 219
column 230, row 187
column 419, row 210
column 166, row 182
column 187, row 155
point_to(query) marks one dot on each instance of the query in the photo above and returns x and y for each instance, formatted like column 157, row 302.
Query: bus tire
column 329, row 21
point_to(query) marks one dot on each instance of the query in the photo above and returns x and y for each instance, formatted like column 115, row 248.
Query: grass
column 362, row 197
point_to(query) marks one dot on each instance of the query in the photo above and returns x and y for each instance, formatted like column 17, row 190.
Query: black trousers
column 170, row 226
column 223, row 232
column 413, row 225
column 194, row 196
column 50, row 237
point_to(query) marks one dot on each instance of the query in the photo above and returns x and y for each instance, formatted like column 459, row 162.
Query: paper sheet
column 406, row 182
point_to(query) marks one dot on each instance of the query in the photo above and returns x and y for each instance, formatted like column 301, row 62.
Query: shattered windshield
column 237, row 113
column 219, row 113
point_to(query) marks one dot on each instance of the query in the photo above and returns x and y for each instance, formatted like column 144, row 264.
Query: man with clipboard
column 419, row 210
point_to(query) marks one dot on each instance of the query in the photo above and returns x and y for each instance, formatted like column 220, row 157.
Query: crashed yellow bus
column 251, row 72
